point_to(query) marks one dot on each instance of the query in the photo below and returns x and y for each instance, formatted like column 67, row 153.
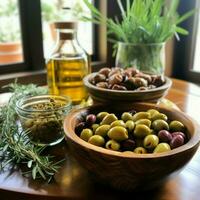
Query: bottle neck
column 66, row 35
column 67, row 44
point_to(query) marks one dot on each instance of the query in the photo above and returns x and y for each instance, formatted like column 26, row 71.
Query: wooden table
column 73, row 182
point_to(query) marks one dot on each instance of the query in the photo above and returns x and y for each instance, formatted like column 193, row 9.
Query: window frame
column 32, row 69
column 185, row 48
column 30, row 39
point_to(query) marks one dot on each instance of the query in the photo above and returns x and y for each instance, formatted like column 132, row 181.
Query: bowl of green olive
column 131, row 147
column 125, row 85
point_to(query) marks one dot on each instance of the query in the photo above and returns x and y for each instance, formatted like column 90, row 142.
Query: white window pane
column 10, row 33
column 53, row 11
column 196, row 66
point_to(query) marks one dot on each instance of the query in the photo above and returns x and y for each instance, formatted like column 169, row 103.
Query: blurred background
column 27, row 38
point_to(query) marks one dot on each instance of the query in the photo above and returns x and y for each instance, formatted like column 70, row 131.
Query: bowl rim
column 165, row 86
column 70, row 134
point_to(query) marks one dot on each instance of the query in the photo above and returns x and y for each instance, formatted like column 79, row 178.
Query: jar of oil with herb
column 68, row 64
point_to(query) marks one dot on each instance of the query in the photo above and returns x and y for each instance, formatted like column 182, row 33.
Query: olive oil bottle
column 68, row 64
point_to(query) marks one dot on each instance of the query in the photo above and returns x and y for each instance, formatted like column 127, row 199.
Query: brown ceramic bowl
column 106, row 95
column 130, row 171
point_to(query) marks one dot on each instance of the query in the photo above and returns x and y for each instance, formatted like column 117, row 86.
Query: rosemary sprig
column 15, row 146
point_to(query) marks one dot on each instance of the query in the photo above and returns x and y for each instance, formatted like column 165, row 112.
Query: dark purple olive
column 102, row 85
column 105, row 71
column 128, row 145
column 144, row 76
column 133, row 112
column 98, row 78
column 129, row 83
column 133, row 71
column 79, row 127
column 164, row 136
column 90, row 119
column 142, row 88
column 158, row 80
column 176, row 141
column 179, row 133
column 115, row 79
column 118, row 87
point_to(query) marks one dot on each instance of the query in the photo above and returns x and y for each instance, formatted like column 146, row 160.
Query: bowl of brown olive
column 42, row 117
column 133, row 147
column 126, row 85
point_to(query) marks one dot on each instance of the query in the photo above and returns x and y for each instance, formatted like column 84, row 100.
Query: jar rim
column 27, row 99
column 141, row 44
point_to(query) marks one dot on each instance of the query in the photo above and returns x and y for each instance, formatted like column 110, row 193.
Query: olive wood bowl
column 127, row 170
column 102, row 95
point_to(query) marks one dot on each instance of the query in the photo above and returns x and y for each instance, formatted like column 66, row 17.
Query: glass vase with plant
column 145, row 26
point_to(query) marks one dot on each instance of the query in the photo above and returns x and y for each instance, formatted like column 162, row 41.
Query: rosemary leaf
column 15, row 146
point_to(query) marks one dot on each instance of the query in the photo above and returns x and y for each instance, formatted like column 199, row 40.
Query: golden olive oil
column 65, row 77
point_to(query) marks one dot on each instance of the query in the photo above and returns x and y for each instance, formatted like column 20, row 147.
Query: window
column 196, row 63
column 32, row 66
column 10, row 33
column 187, row 51
column 30, row 31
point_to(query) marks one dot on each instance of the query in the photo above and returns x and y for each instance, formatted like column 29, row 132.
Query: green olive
column 153, row 112
column 113, row 145
column 94, row 127
column 118, row 123
column 130, row 125
column 141, row 115
column 160, row 124
column 151, row 141
column 126, row 116
column 162, row 147
column 86, row 134
column 159, row 116
column 97, row 140
column 141, row 131
column 108, row 119
column 118, row 133
column 140, row 150
column 101, row 115
column 146, row 122
column 102, row 130
column 176, row 126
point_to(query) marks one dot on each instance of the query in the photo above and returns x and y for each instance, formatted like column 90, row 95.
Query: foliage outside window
column 9, row 21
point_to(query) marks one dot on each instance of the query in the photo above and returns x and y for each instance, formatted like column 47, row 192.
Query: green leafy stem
column 143, row 21
column 15, row 146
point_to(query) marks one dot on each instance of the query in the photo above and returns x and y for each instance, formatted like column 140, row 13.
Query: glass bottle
column 68, row 64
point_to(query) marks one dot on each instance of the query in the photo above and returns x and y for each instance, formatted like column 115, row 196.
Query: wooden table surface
column 73, row 182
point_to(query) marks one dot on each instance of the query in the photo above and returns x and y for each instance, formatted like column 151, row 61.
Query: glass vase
column 149, row 58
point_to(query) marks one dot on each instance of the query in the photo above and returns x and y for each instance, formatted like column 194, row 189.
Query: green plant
column 143, row 21
column 9, row 21
column 51, row 11
column 144, row 28
column 15, row 147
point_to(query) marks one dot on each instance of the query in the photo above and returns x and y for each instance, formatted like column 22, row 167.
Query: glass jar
column 68, row 64
column 43, row 117
column 149, row 58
